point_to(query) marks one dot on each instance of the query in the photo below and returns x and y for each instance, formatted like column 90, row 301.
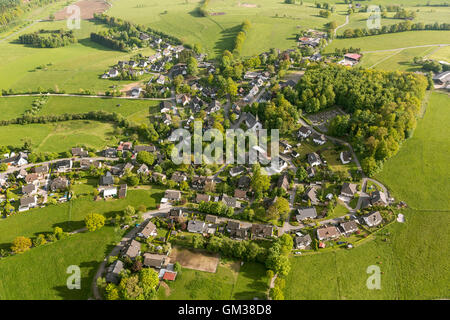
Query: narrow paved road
column 347, row 18
column 19, row 31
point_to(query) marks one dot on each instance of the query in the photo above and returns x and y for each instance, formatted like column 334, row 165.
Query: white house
column 109, row 192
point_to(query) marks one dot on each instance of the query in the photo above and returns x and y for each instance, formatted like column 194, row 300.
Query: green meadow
column 14, row 107
column 419, row 173
column 59, row 137
column 400, row 60
column 274, row 23
column 392, row 41
column 411, row 262
column 71, row 68
column 230, row 281
column 40, row 273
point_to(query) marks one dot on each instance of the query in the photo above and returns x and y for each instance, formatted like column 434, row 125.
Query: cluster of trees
column 216, row 208
column 324, row 13
column 275, row 257
column 48, row 38
column 404, row 14
column 94, row 221
column 106, row 39
column 430, row 65
column 382, row 107
column 22, row 244
column 240, row 37
column 9, row 10
column 140, row 284
column 393, row 28
column 129, row 33
column 203, row 8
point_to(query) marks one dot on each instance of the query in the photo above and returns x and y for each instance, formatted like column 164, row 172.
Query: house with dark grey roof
column 133, row 249
column 113, row 272
column 238, row 229
column 148, row 148
column 106, row 180
column 252, row 122
column 196, row 226
column 211, row 219
column 172, row 195
column 349, row 189
column 262, row 230
column 319, row 139
column 148, row 230
column 373, row 219
column 348, row 227
column 283, row 182
column 59, row 184
column 230, row 201
column 328, row 233
column 306, row 213
column 63, row 165
column 27, row 203
column 29, row 189
column 178, row 177
column 202, row 197
column 244, row 182
column 301, row 242
column 79, row 152
column 157, row 261
column 304, row 132
column 110, row 153
column 122, row 191
column 378, row 198
column 314, row 159
column 237, row 171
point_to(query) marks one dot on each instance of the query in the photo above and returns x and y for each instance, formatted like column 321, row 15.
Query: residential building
column 306, row 213
column 349, row 227
column 349, row 189
column 148, row 230
column 373, row 219
column 113, row 272
column 328, row 233
column 196, row 226
column 314, row 159
column 157, row 261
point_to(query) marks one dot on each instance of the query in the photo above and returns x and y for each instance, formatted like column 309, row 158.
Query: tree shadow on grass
column 226, row 39
column 85, row 284
column 91, row 44
column 256, row 288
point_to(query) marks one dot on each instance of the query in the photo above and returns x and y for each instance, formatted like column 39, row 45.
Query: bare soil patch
column 87, row 9
column 247, row 5
column 196, row 260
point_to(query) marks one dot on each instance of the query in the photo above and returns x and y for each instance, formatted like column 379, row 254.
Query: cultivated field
column 191, row 259
column 87, row 9
column 419, row 173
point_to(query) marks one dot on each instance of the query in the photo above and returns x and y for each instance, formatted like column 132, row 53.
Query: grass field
column 392, row 41
column 41, row 272
column 43, row 220
column 231, row 281
column 59, row 137
column 71, row 68
column 439, row 54
column 414, row 265
column 419, row 173
column 397, row 60
column 274, row 24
